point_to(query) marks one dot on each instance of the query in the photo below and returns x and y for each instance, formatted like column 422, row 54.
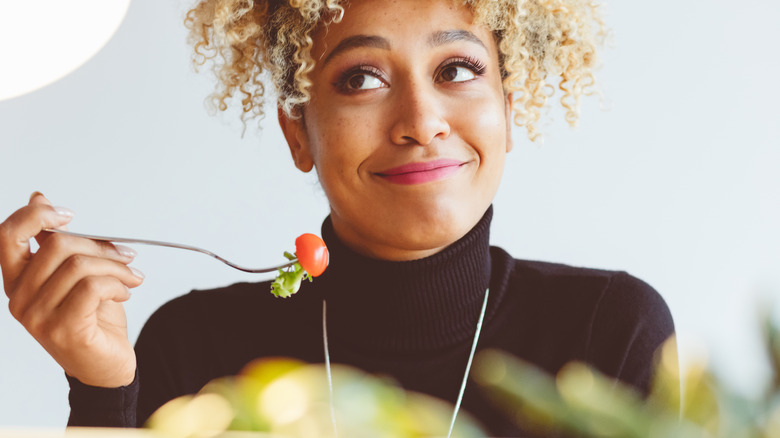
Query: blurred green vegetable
column 582, row 402
column 287, row 398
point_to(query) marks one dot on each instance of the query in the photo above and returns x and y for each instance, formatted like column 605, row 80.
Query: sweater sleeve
column 630, row 323
column 177, row 352
column 165, row 365
column 91, row 406
column 170, row 362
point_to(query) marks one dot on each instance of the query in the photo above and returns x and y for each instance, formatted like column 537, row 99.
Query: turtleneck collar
column 408, row 306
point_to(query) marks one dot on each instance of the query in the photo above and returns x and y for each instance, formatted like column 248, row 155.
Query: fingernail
column 34, row 194
column 66, row 212
column 137, row 273
column 125, row 251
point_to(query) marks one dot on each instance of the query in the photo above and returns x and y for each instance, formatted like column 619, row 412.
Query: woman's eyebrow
column 443, row 37
column 358, row 41
column 436, row 39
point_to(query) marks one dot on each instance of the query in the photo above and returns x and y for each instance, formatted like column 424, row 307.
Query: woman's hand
column 68, row 294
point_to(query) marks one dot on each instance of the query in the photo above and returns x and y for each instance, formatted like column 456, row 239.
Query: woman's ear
column 294, row 131
column 509, row 121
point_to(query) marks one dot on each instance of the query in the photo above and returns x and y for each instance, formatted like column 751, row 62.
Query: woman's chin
column 410, row 228
column 424, row 235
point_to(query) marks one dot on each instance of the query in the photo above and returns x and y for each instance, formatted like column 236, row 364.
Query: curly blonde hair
column 538, row 40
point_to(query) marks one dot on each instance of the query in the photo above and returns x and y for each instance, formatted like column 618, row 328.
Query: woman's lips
column 418, row 173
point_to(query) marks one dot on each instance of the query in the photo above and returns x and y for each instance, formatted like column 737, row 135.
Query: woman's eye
column 363, row 81
column 456, row 73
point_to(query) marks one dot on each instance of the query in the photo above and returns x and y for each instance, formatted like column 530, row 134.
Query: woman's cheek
column 491, row 112
column 484, row 124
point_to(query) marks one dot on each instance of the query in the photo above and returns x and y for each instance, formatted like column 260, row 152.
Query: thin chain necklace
column 462, row 386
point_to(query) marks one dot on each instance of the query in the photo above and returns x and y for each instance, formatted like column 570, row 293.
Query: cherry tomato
column 312, row 254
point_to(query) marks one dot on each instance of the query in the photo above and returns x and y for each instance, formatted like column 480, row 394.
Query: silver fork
column 174, row 245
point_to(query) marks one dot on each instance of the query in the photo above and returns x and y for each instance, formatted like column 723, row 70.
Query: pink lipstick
column 418, row 173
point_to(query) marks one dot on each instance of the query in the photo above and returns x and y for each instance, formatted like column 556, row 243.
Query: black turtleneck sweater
column 412, row 320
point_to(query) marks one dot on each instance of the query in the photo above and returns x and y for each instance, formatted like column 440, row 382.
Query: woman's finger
column 74, row 322
column 37, row 198
column 55, row 251
column 18, row 229
column 87, row 295
column 58, row 328
column 89, row 333
column 56, row 288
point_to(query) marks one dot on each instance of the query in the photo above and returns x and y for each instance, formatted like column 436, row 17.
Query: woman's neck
column 406, row 306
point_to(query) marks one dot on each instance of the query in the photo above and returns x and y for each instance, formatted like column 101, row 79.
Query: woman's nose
column 419, row 117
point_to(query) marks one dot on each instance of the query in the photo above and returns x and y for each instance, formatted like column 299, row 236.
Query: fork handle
column 172, row 245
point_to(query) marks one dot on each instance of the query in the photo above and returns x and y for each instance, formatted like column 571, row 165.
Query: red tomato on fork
column 312, row 254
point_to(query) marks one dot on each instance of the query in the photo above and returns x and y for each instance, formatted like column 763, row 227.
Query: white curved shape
column 42, row 41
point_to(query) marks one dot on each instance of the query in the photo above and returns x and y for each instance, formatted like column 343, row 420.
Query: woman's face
column 408, row 125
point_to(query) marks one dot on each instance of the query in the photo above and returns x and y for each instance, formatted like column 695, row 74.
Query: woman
column 404, row 108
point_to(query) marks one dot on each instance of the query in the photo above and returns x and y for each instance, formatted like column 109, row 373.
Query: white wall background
column 677, row 183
